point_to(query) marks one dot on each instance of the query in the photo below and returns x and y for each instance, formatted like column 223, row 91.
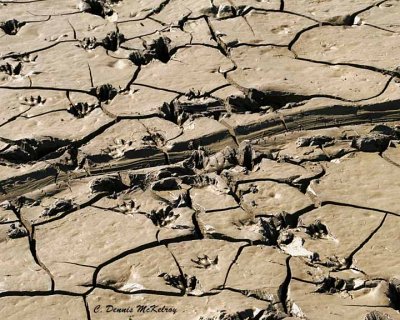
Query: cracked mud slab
column 199, row 160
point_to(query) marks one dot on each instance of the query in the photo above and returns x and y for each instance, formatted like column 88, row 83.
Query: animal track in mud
column 317, row 229
column 158, row 48
column 112, row 40
column 11, row 69
column 11, row 27
column 33, row 101
column 163, row 216
column 17, row 230
column 100, row 8
column 81, row 109
column 184, row 282
column 88, row 43
column 104, row 92
column 205, row 262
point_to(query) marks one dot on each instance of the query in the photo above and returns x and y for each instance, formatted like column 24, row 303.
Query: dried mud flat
column 219, row 160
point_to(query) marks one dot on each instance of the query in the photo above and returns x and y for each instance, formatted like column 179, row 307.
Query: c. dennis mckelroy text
column 141, row 308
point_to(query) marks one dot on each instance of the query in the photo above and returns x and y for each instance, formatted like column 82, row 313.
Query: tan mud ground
column 219, row 160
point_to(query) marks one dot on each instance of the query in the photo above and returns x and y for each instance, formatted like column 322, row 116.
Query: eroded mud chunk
column 109, row 184
column 59, row 206
column 205, row 261
column 313, row 141
column 25, row 150
column 377, row 140
column 245, row 154
column 371, row 143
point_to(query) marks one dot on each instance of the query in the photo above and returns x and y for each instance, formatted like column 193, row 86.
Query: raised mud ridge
column 223, row 159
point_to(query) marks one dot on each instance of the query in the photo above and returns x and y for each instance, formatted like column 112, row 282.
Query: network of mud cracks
column 176, row 159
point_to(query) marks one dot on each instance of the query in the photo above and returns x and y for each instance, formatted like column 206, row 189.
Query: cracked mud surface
column 219, row 160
